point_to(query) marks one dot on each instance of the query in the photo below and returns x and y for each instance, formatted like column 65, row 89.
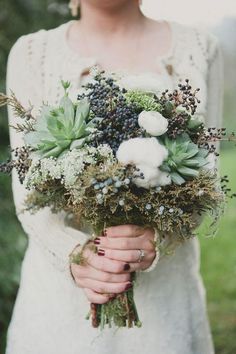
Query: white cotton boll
column 153, row 122
column 151, row 176
column 138, row 151
column 164, row 179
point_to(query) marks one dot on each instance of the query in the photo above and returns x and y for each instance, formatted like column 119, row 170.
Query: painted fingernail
column 101, row 252
column 128, row 286
column 97, row 241
column 126, row 266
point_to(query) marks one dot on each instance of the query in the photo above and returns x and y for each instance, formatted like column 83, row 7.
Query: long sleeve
column 215, row 83
column 47, row 229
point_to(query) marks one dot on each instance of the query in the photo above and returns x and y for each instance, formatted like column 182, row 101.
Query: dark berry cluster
column 184, row 96
column 177, row 125
column 21, row 163
column 119, row 118
column 211, row 136
column 224, row 186
column 178, row 106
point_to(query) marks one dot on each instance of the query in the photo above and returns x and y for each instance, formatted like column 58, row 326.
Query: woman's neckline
column 92, row 59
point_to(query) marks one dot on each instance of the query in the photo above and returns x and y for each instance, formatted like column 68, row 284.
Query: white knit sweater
column 174, row 313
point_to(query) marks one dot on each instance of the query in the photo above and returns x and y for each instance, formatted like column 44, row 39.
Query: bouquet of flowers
column 118, row 156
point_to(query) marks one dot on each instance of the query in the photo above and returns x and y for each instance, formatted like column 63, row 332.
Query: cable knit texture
column 49, row 314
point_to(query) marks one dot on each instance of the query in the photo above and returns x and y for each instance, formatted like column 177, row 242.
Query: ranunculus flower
column 153, row 122
column 138, row 151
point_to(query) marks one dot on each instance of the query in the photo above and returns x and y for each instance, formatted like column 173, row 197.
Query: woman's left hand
column 124, row 243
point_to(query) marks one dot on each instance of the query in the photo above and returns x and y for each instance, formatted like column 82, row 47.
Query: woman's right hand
column 101, row 278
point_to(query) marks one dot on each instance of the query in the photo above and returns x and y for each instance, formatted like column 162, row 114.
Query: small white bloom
column 138, row 151
column 200, row 192
column 153, row 122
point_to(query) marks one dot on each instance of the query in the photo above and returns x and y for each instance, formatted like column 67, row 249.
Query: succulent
column 59, row 129
column 185, row 159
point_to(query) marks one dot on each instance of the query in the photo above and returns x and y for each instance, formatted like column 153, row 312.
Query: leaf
column 69, row 113
column 78, row 143
column 53, row 152
column 189, row 172
column 176, row 178
column 203, row 152
column 35, row 138
column 83, row 109
column 52, row 125
column 168, row 108
column 194, row 124
column 165, row 168
column 192, row 162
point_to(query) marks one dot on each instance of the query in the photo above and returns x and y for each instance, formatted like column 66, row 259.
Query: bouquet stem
column 120, row 311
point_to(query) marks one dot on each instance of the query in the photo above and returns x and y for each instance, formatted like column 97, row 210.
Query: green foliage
column 184, row 159
column 60, row 129
column 143, row 102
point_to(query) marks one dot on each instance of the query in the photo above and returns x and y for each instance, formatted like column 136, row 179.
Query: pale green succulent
column 185, row 159
column 62, row 128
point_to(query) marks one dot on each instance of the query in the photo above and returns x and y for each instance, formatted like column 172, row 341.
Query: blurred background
column 218, row 254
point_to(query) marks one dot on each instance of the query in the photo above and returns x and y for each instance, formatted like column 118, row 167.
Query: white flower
column 153, row 177
column 143, row 82
column 150, row 176
column 153, row 122
column 164, row 179
column 147, row 151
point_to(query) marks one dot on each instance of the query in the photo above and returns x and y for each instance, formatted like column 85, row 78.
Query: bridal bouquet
column 118, row 156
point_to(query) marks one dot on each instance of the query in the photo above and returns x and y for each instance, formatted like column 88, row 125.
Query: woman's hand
column 124, row 242
column 108, row 271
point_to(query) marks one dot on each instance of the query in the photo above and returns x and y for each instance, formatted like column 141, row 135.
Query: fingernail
column 97, row 241
column 128, row 286
column 101, row 252
column 126, row 266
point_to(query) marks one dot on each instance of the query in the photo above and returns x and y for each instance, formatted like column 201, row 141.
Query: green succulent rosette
column 185, row 159
column 61, row 129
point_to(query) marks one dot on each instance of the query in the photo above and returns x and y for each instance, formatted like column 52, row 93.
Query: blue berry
column 104, row 190
column 118, row 184
column 127, row 181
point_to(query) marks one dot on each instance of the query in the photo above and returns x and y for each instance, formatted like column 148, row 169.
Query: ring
column 141, row 255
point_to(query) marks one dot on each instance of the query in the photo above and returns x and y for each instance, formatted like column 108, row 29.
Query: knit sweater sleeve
column 47, row 229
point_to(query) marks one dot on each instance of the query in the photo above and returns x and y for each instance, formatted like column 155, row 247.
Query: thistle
column 60, row 129
column 185, row 159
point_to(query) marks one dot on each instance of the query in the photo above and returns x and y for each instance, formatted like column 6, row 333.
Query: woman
column 53, row 297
